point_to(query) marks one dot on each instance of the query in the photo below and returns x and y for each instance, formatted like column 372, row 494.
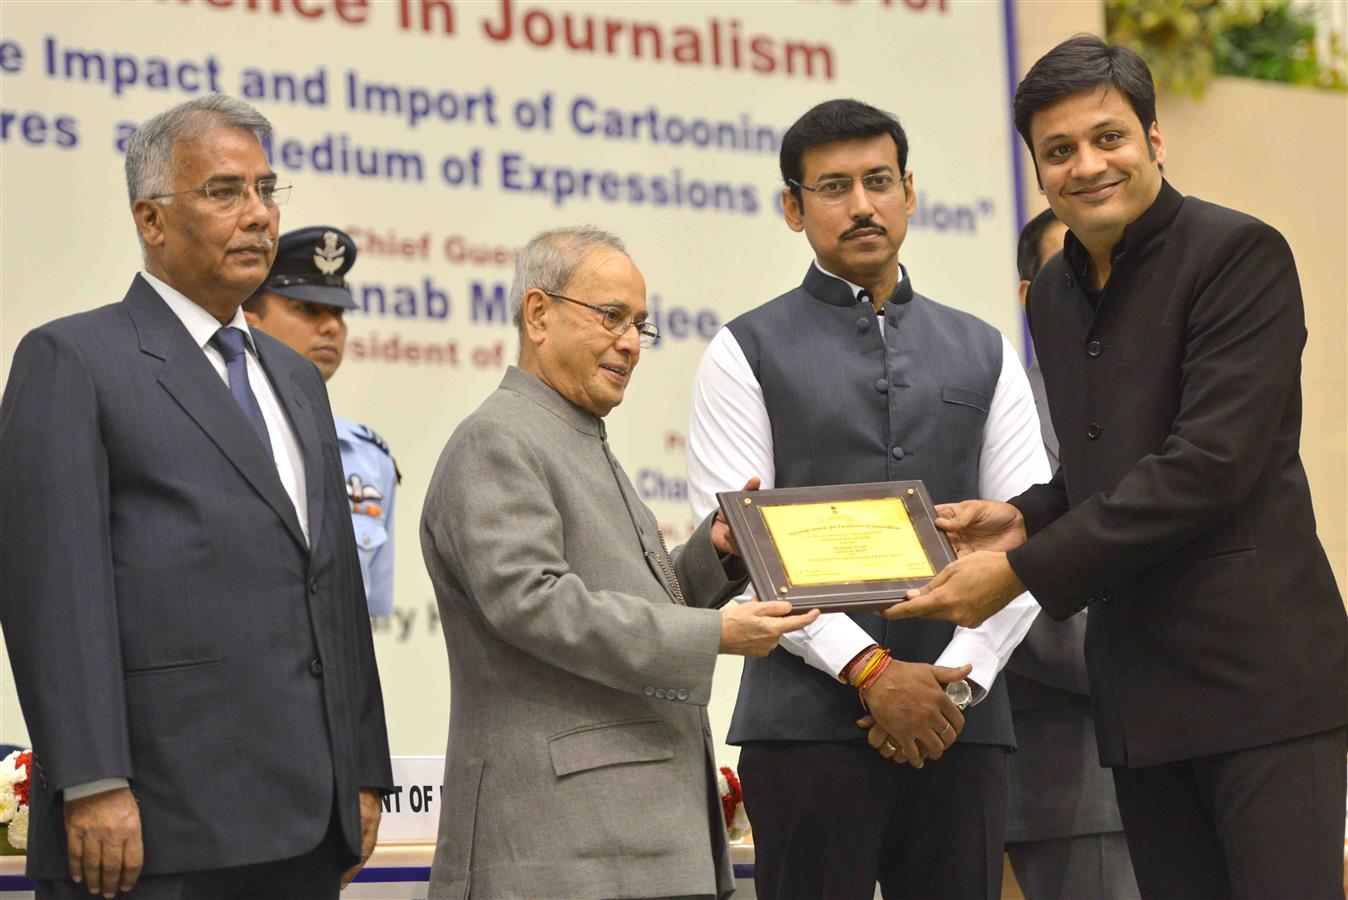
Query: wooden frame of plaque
column 804, row 520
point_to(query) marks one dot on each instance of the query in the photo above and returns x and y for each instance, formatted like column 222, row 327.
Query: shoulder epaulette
column 368, row 434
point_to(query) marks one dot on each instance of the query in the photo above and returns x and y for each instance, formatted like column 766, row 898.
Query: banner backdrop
column 443, row 133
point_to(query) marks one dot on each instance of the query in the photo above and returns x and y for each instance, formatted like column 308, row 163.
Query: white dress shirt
column 730, row 441
column 285, row 447
column 202, row 326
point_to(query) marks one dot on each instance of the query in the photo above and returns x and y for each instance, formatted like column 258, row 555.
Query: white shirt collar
column 856, row 288
column 199, row 323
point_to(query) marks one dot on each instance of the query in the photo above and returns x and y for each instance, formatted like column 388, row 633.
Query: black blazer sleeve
column 1042, row 503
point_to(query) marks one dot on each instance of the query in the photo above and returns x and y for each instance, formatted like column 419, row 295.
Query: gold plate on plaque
column 839, row 547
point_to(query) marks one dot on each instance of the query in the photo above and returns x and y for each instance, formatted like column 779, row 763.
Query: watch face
column 960, row 693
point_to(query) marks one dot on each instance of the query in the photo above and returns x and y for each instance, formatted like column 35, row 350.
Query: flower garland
column 732, row 804
column 15, row 770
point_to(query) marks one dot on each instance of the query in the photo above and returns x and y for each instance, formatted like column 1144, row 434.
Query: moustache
column 263, row 243
column 862, row 226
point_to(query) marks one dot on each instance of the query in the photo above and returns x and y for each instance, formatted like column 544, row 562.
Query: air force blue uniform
column 371, row 480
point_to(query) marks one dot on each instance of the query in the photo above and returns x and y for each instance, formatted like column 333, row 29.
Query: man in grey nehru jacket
column 856, row 377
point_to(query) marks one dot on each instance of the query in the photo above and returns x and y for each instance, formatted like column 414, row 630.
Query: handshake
column 911, row 717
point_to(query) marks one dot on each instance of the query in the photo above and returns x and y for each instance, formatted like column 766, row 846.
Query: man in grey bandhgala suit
column 580, row 761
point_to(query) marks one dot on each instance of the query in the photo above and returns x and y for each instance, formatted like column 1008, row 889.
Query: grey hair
column 550, row 259
column 149, row 156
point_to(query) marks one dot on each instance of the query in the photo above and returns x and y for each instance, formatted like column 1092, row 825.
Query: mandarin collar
column 534, row 388
column 1136, row 234
column 834, row 291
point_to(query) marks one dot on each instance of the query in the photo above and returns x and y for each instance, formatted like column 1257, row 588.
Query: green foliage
column 1175, row 38
column 1187, row 42
column 1280, row 46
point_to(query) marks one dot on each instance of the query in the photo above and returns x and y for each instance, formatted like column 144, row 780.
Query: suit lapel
column 301, row 415
column 191, row 380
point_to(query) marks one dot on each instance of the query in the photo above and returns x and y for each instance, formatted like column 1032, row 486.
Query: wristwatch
column 960, row 693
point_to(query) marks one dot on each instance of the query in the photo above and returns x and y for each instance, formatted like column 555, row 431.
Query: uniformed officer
column 301, row 304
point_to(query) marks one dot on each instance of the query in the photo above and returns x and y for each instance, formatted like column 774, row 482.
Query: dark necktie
column 230, row 341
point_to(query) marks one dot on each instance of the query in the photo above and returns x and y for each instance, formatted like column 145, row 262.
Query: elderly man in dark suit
column 182, row 601
column 1170, row 333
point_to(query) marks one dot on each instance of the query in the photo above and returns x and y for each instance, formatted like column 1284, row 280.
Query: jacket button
column 1094, row 348
column 863, row 324
column 1094, row 431
column 313, row 585
column 682, row 694
column 660, row 693
column 882, row 385
column 316, row 668
column 1069, row 279
column 648, row 691
column 1106, row 597
column 897, row 453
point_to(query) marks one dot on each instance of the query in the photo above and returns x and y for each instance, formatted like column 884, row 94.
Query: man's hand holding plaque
column 981, row 582
column 981, row 525
column 752, row 629
column 722, row 538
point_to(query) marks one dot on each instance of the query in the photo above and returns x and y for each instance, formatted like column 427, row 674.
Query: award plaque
column 839, row 548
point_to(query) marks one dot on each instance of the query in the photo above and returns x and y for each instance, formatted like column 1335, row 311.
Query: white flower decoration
column 739, row 825
column 9, row 773
column 738, row 830
column 18, row 829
